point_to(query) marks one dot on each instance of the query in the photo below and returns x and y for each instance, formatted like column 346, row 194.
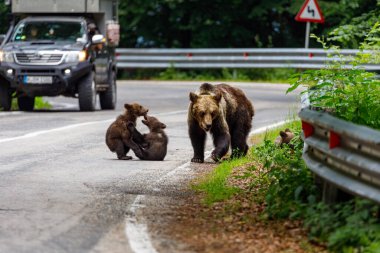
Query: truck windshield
column 51, row 31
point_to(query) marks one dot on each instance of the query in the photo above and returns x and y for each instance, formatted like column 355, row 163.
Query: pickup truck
column 56, row 55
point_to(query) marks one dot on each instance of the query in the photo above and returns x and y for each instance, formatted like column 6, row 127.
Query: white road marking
column 3, row 114
column 171, row 113
column 34, row 134
column 138, row 231
column 42, row 132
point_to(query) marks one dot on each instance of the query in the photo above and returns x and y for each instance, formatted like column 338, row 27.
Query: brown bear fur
column 284, row 138
column 154, row 146
column 227, row 113
column 118, row 137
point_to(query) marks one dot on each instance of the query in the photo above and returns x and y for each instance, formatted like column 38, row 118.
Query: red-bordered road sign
column 310, row 12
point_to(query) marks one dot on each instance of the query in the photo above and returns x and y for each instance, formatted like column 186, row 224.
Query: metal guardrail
column 232, row 58
column 342, row 153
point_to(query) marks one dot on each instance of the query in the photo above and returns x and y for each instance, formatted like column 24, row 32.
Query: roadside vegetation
column 237, row 75
column 352, row 94
column 277, row 182
column 276, row 179
column 39, row 104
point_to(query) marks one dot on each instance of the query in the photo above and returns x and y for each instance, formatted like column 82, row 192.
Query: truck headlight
column 76, row 56
column 6, row 56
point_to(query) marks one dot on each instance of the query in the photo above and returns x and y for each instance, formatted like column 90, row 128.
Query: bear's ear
column 162, row 125
column 287, row 130
column 193, row 97
column 127, row 106
column 283, row 134
column 218, row 97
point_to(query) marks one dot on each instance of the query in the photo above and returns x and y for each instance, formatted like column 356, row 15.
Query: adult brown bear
column 226, row 112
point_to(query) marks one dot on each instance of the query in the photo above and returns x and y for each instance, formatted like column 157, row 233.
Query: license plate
column 38, row 79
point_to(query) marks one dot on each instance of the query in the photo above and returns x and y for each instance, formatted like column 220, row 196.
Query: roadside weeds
column 234, row 225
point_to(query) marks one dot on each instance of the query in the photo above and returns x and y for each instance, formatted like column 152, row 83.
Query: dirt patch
column 236, row 225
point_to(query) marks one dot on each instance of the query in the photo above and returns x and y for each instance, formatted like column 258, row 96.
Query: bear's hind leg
column 239, row 142
column 222, row 144
column 121, row 150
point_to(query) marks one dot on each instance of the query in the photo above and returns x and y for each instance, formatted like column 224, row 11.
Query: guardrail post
column 332, row 194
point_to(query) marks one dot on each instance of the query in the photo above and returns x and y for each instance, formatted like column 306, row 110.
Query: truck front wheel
column 108, row 97
column 5, row 98
column 87, row 93
column 26, row 103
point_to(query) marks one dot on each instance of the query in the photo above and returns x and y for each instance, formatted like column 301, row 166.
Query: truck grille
column 38, row 58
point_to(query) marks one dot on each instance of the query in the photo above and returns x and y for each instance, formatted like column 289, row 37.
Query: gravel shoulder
column 184, row 224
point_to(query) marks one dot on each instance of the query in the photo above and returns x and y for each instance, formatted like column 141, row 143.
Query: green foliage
column 287, row 188
column 39, row 104
column 350, row 94
column 4, row 11
column 351, row 33
column 238, row 23
column 210, row 24
column 346, row 227
column 284, row 179
column 262, row 75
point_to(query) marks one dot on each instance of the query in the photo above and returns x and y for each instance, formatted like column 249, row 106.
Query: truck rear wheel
column 26, row 103
column 87, row 93
column 108, row 97
column 5, row 98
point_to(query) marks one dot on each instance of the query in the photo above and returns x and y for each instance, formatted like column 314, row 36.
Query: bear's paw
column 197, row 160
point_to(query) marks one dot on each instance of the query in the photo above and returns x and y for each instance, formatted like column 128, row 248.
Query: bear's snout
column 208, row 127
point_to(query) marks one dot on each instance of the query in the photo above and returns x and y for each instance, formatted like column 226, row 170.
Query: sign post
column 309, row 12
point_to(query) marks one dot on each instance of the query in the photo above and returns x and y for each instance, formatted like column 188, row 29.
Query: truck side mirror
column 97, row 39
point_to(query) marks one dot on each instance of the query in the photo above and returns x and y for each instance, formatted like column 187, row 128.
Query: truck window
column 52, row 31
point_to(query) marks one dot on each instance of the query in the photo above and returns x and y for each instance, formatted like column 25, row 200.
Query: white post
column 307, row 35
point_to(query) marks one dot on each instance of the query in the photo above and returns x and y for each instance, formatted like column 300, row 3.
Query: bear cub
column 119, row 138
column 154, row 145
column 285, row 138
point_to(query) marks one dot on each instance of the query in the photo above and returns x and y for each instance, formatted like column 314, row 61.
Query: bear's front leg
column 136, row 149
column 222, row 144
column 198, row 140
column 137, row 137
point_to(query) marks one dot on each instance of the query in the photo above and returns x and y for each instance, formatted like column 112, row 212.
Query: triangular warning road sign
column 310, row 12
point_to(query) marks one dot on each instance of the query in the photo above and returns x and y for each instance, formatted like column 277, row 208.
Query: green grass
column 214, row 185
column 280, row 180
column 237, row 75
column 273, row 133
column 39, row 104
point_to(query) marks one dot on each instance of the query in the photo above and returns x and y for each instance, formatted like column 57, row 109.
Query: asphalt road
column 62, row 190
